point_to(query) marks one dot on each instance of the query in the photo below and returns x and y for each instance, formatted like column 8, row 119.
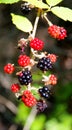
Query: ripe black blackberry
column 41, row 105
column 25, row 77
column 44, row 64
column 44, row 92
column 25, row 8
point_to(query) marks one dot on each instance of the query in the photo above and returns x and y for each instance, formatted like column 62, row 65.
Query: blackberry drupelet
column 44, row 92
column 41, row 105
column 44, row 64
column 25, row 9
column 25, row 77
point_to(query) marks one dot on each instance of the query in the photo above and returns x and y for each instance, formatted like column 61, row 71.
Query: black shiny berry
column 44, row 92
column 44, row 64
column 41, row 105
column 25, row 77
column 25, row 9
column 46, row 89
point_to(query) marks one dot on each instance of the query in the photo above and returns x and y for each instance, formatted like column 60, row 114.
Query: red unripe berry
column 63, row 33
column 15, row 88
column 57, row 32
column 36, row 44
column 28, row 98
column 52, row 57
column 23, row 60
column 53, row 79
column 9, row 68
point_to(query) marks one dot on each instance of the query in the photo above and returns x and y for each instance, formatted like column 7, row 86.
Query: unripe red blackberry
column 23, row 60
column 25, row 77
column 53, row 79
column 63, row 33
column 9, row 68
column 52, row 57
column 44, row 92
column 57, row 32
column 28, row 98
column 25, row 8
column 41, row 105
column 36, row 44
column 15, row 88
column 44, row 64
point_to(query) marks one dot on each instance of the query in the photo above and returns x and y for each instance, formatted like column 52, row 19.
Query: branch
column 6, row 80
column 30, row 119
column 36, row 23
column 8, row 104
column 48, row 21
column 13, row 127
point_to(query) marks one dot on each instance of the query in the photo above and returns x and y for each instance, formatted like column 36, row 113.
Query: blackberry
column 37, row 44
column 28, row 98
column 41, row 105
column 25, row 77
column 44, row 92
column 25, row 9
column 44, row 64
column 57, row 32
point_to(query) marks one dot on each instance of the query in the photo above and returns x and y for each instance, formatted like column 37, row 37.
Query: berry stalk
column 47, row 20
column 36, row 23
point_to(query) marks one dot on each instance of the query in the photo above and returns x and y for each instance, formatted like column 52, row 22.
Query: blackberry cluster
column 41, row 105
column 44, row 92
column 25, row 8
column 44, row 64
column 25, row 77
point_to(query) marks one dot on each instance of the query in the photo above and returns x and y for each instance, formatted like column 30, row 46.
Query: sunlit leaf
column 8, row 1
column 63, row 124
column 53, row 2
column 22, row 114
column 37, row 3
column 63, row 13
column 21, row 23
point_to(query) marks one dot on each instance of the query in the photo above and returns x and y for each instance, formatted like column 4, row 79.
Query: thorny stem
column 48, row 21
column 36, row 23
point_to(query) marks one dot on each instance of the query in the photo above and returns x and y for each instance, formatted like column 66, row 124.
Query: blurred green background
column 13, row 114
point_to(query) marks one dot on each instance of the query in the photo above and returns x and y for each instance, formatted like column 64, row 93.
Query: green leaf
column 8, row 1
column 22, row 114
column 64, row 123
column 63, row 13
column 38, row 4
column 21, row 23
column 53, row 2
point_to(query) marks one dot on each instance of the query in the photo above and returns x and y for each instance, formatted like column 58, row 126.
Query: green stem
column 48, row 21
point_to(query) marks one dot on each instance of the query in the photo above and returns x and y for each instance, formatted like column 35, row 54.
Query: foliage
column 64, row 124
column 38, row 4
column 21, row 23
column 53, row 2
column 23, row 113
column 9, row 1
column 63, row 13
column 26, row 26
